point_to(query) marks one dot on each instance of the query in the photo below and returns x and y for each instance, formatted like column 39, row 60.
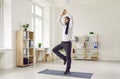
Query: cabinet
column 86, row 47
column 24, row 48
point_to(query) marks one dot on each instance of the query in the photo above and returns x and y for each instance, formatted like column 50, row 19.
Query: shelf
column 30, row 55
column 31, row 35
column 29, row 64
column 87, row 47
column 24, row 65
column 31, row 39
column 26, row 56
column 91, row 48
column 31, row 47
column 25, row 39
column 24, row 48
column 91, row 42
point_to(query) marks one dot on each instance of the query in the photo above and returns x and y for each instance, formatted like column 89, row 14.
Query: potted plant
column 39, row 45
column 91, row 32
column 25, row 26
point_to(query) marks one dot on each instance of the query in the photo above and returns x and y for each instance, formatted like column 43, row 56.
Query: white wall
column 102, row 18
column 16, row 13
column 21, row 14
column 7, row 24
column 6, row 57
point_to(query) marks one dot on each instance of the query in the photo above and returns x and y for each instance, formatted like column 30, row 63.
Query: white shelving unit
column 86, row 47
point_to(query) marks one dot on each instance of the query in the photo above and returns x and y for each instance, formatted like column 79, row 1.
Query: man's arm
column 60, row 17
column 59, row 20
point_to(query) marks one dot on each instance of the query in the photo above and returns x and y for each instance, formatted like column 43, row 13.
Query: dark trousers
column 67, row 47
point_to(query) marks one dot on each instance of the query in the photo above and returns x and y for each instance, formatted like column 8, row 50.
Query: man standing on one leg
column 67, row 31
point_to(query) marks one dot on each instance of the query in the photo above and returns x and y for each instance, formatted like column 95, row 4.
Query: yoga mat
column 71, row 74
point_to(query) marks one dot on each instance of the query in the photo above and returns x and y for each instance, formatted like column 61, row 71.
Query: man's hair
column 68, row 19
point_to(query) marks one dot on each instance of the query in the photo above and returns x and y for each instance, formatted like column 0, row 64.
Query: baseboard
column 7, row 67
column 110, row 60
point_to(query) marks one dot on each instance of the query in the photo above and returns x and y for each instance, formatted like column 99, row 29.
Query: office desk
column 40, row 52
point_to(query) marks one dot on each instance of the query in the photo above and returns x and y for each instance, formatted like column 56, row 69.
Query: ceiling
column 74, row 2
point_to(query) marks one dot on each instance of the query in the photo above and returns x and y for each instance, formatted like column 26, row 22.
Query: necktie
column 66, row 30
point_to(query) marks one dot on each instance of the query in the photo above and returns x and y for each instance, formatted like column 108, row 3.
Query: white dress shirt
column 66, row 37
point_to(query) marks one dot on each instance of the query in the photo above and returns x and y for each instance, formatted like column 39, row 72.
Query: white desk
column 42, row 52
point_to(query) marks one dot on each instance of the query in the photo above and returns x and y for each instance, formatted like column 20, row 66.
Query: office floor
column 101, row 70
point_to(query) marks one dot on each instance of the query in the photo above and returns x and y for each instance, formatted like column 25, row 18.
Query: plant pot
column 39, row 46
column 91, row 32
column 25, row 29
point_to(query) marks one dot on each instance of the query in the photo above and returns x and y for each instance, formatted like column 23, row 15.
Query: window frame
column 34, row 16
column 1, row 23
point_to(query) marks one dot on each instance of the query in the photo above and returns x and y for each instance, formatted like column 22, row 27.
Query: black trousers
column 67, row 47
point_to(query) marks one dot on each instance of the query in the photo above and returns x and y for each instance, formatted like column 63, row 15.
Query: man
column 67, row 31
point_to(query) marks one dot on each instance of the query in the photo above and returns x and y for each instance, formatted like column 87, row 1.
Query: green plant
column 39, row 44
column 25, row 26
column 91, row 32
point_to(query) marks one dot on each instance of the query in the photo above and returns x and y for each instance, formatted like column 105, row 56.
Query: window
column 1, row 28
column 40, row 24
column 37, row 23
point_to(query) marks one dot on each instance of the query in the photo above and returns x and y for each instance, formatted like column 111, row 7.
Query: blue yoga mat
column 71, row 74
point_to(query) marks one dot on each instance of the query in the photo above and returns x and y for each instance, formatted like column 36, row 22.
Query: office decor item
column 87, row 47
column 24, row 48
column 91, row 32
column 25, row 26
column 39, row 45
column 95, row 44
column 76, row 39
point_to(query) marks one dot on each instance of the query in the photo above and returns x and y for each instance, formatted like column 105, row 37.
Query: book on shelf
column 25, row 60
column 92, row 45
column 25, row 35
column 25, row 52
column 93, row 38
column 95, row 45
column 25, row 44
column 31, row 43
column 76, row 39
column 86, row 38
column 79, row 39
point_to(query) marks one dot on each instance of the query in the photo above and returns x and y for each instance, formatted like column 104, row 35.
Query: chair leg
column 46, row 56
column 50, row 59
column 52, row 56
